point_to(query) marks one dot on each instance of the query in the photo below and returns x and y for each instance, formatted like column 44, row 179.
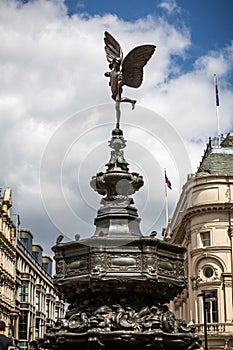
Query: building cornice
column 196, row 183
column 212, row 207
column 197, row 210
column 205, row 250
column 26, row 255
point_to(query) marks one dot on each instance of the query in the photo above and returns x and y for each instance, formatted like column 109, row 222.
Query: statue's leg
column 118, row 114
column 126, row 99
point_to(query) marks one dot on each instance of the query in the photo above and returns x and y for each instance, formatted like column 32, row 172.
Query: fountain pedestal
column 118, row 282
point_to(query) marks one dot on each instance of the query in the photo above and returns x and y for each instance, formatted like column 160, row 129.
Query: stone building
column 7, row 258
column 202, row 222
column 35, row 295
column 29, row 302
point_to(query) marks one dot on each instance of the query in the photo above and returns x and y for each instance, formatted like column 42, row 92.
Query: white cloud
column 53, row 65
column 216, row 62
column 170, row 6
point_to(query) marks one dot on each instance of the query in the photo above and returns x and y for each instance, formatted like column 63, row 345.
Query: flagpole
column 166, row 201
column 217, row 108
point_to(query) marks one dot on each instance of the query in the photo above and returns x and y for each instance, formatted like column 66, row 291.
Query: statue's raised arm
column 127, row 71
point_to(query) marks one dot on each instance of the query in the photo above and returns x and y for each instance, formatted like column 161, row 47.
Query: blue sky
column 57, row 112
column 209, row 21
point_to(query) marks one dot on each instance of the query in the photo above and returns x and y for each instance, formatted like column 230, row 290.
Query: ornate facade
column 7, row 257
column 29, row 302
column 202, row 222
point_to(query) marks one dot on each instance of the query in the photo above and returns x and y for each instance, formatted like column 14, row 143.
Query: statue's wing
column 112, row 48
column 132, row 66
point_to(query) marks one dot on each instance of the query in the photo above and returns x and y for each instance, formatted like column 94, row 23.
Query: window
column 37, row 300
column 57, row 313
column 24, row 291
column 47, row 308
column 45, row 266
column 37, row 329
column 48, row 267
column 35, row 254
column 211, row 306
column 23, row 324
column 205, row 239
column 25, row 242
column 208, row 272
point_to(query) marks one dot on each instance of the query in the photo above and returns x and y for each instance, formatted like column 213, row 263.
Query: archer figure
column 127, row 72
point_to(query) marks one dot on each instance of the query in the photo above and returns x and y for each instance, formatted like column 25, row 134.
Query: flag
column 216, row 91
column 168, row 182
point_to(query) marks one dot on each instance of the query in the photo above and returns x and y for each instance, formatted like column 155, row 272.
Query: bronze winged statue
column 127, row 71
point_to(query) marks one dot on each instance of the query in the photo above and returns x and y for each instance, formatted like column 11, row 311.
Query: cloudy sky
column 57, row 113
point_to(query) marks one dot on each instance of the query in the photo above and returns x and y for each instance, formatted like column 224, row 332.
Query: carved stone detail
column 123, row 262
column 194, row 282
column 98, row 263
column 201, row 278
column 116, row 319
column 150, row 264
column 60, row 267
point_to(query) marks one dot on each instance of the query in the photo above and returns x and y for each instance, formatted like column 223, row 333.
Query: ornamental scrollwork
column 118, row 317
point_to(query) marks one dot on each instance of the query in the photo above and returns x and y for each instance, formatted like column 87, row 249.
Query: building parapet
column 215, row 328
column 32, row 259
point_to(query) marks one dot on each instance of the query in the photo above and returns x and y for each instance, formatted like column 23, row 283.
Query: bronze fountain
column 118, row 282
